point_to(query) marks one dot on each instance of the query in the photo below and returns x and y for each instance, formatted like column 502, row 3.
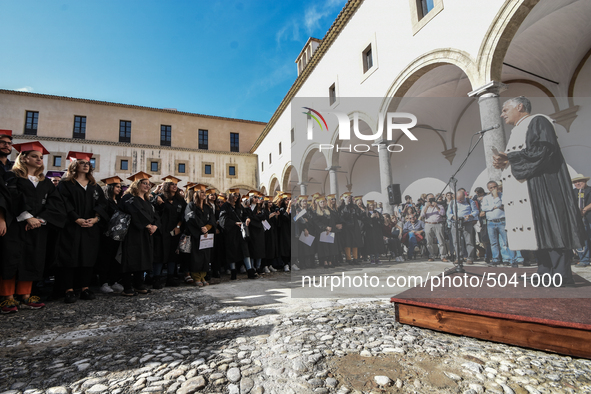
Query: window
column 124, row 131
column 80, row 127
column 232, row 171
column 31, row 123
column 57, row 161
column 262, row 166
column 234, row 142
column 154, row 166
column 203, row 140
column 332, row 94
column 270, row 161
column 124, row 165
column 424, row 7
column 367, row 59
column 181, row 168
column 93, row 162
column 207, row 169
column 165, row 135
column 292, row 135
column 280, row 148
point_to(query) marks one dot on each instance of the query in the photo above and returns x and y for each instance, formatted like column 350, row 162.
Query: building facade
column 125, row 139
column 452, row 64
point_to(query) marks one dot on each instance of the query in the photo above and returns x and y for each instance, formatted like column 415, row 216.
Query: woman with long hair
column 352, row 236
column 79, row 241
column 304, row 225
column 231, row 220
column 374, row 241
column 256, row 241
column 325, row 223
column 331, row 199
column 284, row 223
column 108, row 268
column 200, row 220
column 138, row 246
column 33, row 203
column 170, row 207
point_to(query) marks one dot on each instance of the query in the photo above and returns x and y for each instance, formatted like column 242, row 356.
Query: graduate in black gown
column 108, row 268
column 284, row 223
column 217, row 256
column 231, row 219
column 352, row 235
column 200, row 220
column 325, row 222
column 541, row 214
column 33, row 202
column 374, row 239
column 137, row 253
column 170, row 207
column 256, row 242
column 79, row 240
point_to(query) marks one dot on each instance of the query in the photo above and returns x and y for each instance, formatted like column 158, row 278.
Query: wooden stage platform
column 550, row 319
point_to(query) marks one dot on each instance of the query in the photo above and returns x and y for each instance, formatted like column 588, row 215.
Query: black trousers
column 75, row 278
column 555, row 261
column 132, row 280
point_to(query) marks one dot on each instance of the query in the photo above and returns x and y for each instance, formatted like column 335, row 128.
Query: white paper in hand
column 307, row 240
column 327, row 238
column 206, row 241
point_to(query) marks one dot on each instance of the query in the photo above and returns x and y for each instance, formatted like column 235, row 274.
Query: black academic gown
column 138, row 245
column 557, row 220
column 271, row 237
column 170, row 214
column 195, row 219
column 374, row 241
column 256, row 241
column 78, row 247
column 352, row 236
column 236, row 246
column 109, row 246
column 284, row 222
column 23, row 252
column 325, row 250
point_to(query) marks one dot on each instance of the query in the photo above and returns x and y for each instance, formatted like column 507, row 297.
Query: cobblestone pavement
column 184, row 340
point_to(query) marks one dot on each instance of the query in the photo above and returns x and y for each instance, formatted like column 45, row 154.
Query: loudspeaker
column 394, row 195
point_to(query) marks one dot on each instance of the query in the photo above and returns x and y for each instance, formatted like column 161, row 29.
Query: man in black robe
column 583, row 198
column 542, row 214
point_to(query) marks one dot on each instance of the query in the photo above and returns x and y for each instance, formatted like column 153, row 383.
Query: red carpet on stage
column 554, row 319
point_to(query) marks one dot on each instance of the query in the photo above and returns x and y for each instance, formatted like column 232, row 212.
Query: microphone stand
column 459, row 267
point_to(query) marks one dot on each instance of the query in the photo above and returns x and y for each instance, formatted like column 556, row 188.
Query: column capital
column 302, row 184
column 332, row 168
column 493, row 88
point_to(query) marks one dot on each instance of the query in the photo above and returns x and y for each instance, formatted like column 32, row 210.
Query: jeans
column 412, row 242
column 247, row 264
column 498, row 242
column 584, row 253
column 466, row 239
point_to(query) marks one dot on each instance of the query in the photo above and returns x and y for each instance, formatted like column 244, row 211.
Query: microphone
column 489, row 129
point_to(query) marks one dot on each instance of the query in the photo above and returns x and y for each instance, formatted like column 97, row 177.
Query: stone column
column 334, row 185
column 490, row 115
column 385, row 172
column 303, row 189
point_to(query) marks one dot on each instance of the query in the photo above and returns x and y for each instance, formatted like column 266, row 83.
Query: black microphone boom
column 489, row 129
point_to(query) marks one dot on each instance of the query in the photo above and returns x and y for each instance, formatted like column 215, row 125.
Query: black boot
column 158, row 283
column 233, row 274
column 252, row 274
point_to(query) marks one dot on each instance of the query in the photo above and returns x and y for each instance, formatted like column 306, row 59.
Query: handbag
column 245, row 231
column 118, row 226
column 185, row 244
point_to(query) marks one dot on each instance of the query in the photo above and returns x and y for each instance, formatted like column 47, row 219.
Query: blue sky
column 232, row 58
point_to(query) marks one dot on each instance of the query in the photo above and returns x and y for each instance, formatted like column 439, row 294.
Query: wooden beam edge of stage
column 562, row 340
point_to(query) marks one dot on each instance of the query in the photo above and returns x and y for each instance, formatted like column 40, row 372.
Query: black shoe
column 87, row 295
column 233, row 274
column 514, row 265
column 492, row 265
column 142, row 289
column 158, row 283
column 70, row 297
column 252, row 274
column 215, row 275
column 172, row 281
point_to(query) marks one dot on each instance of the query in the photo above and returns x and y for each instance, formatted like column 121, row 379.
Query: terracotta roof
column 334, row 31
column 79, row 100
column 305, row 46
column 126, row 145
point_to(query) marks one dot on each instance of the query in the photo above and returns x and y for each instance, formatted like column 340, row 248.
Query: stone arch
column 285, row 174
column 425, row 63
column 304, row 166
column 242, row 187
column 264, row 190
column 498, row 39
column 273, row 183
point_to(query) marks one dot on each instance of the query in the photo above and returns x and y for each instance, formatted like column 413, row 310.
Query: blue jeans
column 584, row 253
column 412, row 242
column 498, row 241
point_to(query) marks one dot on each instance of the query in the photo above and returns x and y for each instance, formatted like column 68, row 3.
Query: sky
column 231, row 58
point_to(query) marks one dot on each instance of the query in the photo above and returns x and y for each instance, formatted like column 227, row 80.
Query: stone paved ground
column 184, row 340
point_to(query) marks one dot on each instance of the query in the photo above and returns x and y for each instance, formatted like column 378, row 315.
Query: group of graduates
column 61, row 226
column 327, row 229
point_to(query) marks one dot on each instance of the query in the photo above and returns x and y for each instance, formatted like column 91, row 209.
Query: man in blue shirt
column 468, row 211
column 412, row 232
column 492, row 204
